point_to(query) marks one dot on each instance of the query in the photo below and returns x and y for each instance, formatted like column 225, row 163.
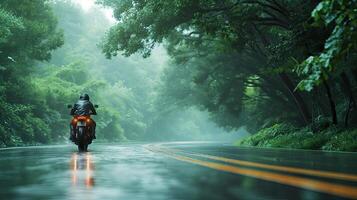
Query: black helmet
column 84, row 97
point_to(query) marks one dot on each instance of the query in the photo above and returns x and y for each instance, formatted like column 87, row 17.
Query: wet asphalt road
column 175, row 171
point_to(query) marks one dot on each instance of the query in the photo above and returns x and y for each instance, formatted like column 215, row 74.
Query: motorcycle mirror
column 96, row 106
column 69, row 106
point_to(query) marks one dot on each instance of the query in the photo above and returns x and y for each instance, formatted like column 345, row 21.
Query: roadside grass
column 345, row 141
column 288, row 136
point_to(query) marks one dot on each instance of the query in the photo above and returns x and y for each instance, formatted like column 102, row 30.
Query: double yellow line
column 305, row 183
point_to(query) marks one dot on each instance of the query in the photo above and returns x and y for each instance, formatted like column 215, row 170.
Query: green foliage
column 34, row 20
column 263, row 137
column 138, row 32
column 130, row 105
column 285, row 136
column 117, row 85
column 60, row 86
column 342, row 16
column 344, row 141
column 216, row 49
column 240, row 60
column 27, row 33
column 9, row 24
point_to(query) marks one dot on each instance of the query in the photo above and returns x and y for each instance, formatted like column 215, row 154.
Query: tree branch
column 219, row 9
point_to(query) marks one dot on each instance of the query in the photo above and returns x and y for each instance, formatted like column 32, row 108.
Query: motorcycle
column 82, row 126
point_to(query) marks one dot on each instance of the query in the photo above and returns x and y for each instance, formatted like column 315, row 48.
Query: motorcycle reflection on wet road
column 82, row 169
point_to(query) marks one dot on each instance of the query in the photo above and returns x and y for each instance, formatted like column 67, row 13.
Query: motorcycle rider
column 83, row 107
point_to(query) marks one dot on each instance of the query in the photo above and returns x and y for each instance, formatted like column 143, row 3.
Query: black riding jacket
column 83, row 108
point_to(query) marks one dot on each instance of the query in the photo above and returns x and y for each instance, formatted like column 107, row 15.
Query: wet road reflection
column 82, row 169
column 131, row 171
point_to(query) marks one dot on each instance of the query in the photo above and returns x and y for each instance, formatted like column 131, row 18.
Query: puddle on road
column 82, row 170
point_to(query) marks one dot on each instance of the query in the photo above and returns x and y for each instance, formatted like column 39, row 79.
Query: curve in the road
column 305, row 183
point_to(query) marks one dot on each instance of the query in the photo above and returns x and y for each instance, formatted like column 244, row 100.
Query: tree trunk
column 348, row 91
column 304, row 111
column 321, row 99
column 348, row 87
column 354, row 72
column 302, row 107
column 332, row 103
column 348, row 112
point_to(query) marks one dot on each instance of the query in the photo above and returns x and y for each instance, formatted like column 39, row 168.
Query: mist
column 177, row 99
column 168, row 76
column 127, row 87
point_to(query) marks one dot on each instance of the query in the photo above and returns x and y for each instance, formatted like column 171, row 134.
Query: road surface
column 175, row 171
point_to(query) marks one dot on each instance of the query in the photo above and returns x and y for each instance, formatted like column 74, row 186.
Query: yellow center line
column 310, row 172
column 326, row 174
column 306, row 183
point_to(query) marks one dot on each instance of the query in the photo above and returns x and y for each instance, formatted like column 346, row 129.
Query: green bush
column 287, row 136
column 344, row 141
column 263, row 137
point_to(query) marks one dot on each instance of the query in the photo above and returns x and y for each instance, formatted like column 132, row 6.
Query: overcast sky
column 88, row 4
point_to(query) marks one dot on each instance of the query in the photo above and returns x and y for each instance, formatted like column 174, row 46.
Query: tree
column 339, row 47
column 251, row 29
column 28, row 34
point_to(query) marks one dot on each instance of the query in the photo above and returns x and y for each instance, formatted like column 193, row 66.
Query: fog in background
column 206, row 67
column 126, row 88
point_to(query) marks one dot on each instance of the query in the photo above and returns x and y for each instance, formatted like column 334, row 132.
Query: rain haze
column 175, row 99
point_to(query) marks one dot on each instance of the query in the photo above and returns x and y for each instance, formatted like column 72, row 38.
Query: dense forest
column 49, row 55
column 285, row 70
column 285, row 66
